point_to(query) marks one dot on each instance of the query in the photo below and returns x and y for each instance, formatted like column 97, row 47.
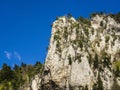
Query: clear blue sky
column 25, row 25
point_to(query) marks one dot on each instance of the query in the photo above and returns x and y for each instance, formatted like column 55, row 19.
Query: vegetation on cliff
column 19, row 76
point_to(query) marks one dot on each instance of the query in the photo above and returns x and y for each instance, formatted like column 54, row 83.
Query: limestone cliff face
column 83, row 55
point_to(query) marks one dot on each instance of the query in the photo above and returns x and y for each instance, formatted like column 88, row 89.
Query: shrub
column 56, row 37
column 99, row 84
column 69, row 15
column 101, row 23
column 96, row 13
column 65, row 34
column 84, row 21
column 80, row 44
column 115, row 16
column 92, row 31
column 78, row 57
column 90, row 59
column 86, row 31
column 117, row 68
column 96, row 61
column 114, row 38
column 107, row 38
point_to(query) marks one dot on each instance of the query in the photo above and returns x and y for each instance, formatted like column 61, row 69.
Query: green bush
column 92, row 31
column 96, row 61
column 12, row 79
column 101, row 23
column 115, row 16
column 96, row 13
column 90, row 59
column 99, row 84
column 80, row 44
column 84, row 21
column 65, row 34
column 86, row 31
column 107, row 38
column 117, row 68
column 78, row 58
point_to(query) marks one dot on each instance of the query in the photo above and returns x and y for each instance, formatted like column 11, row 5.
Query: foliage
column 107, row 38
column 99, row 85
column 117, row 68
column 92, row 31
column 56, row 37
column 12, row 79
column 115, row 16
column 69, row 15
column 80, row 44
column 90, row 59
column 6, row 74
column 84, row 21
column 78, row 57
column 96, row 13
column 65, row 34
column 106, row 59
column 96, row 61
column 86, row 31
column 101, row 23
column 38, row 67
column 95, row 87
column 114, row 37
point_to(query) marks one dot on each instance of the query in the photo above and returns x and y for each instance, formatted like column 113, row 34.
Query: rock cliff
column 83, row 55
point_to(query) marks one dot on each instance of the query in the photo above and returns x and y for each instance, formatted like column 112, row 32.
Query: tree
column 96, row 62
column 12, row 79
column 115, row 16
column 100, row 83
column 6, row 73
column 16, row 68
column 38, row 67
column 84, row 21
column 30, row 71
column 23, row 65
column 69, row 15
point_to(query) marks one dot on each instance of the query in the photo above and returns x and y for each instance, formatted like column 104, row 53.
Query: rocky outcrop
column 83, row 55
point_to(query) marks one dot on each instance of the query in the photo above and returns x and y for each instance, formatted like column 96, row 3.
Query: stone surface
column 81, row 56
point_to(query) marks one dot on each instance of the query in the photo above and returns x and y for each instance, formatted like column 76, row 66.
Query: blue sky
column 25, row 25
